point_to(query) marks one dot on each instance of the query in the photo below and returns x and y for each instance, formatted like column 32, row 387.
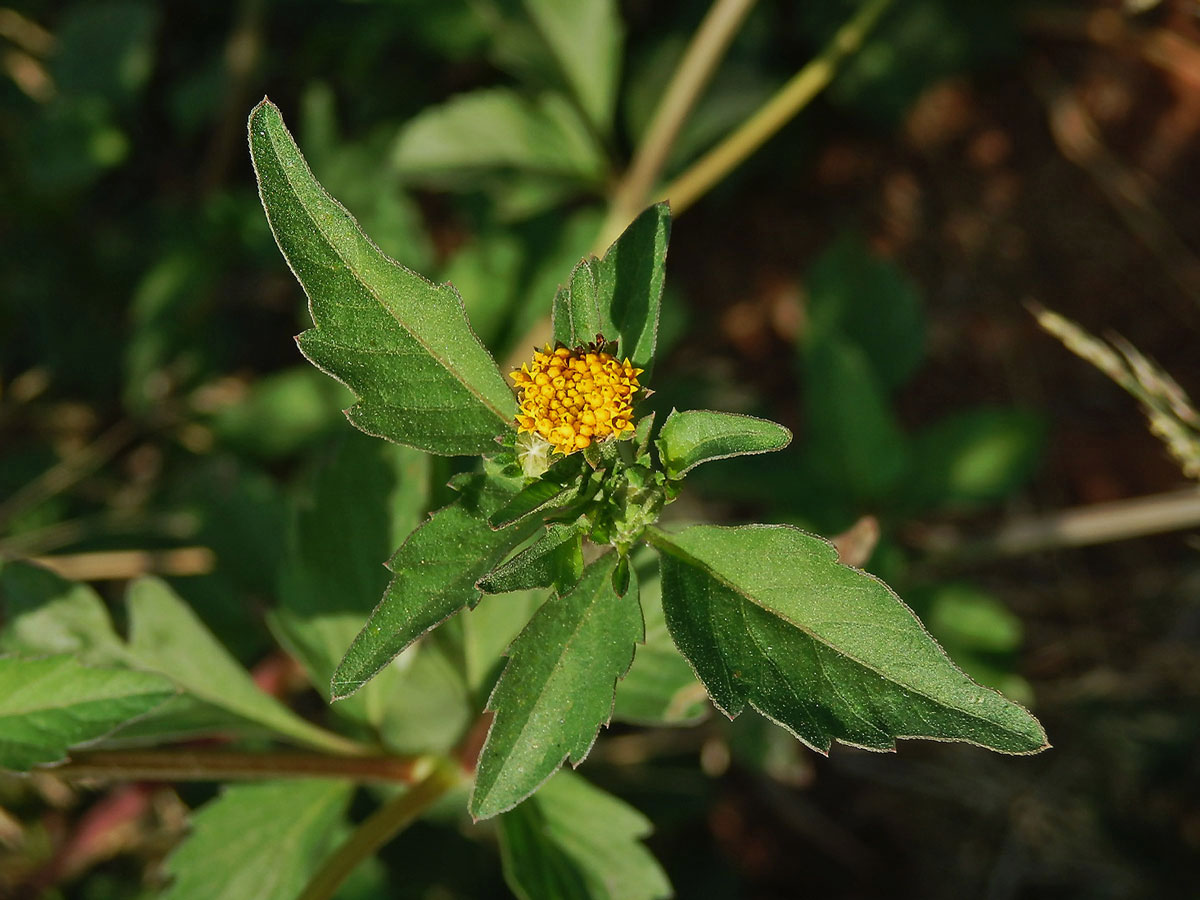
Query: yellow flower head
column 574, row 397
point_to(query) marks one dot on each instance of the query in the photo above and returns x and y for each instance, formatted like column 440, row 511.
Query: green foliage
column 51, row 704
column 619, row 296
column 697, row 436
column 574, row 842
column 281, row 831
column 769, row 617
column 557, row 689
column 401, row 343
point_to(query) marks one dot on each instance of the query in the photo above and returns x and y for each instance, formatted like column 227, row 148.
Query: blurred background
column 867, row 278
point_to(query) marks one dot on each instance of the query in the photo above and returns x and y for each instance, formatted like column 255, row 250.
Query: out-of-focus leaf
column 866, row 301
column 977, row 456
column 50, row 704
column 282, row 412
column 165, row 636
column 44, row 614
column 855, row 442
column 572, row 841
column 258, row 841
column 769, row 618
column 619, row 296
column 435, row 571
column 585, row 38
column 105, row 49
column 962, row 616
column 497, row 129
column 660, row 687
column 697, row 436
column 429, row 703
column 557, row 689
column 402, row 344
column 334, row 573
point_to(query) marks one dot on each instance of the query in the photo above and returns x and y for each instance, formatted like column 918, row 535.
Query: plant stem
column 787, row 102
column 707, row 47
column 379, row 828
column 224, row 765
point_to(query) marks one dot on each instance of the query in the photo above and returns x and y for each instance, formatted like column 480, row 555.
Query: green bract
column 764, row 615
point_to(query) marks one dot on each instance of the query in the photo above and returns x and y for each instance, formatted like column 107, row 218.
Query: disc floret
column 576, row 397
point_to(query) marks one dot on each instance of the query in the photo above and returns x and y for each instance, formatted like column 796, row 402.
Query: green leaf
column 430, row 704
column 855, row 296
column 573, row 841
column 768, row 617
column 972, row 457
column 166, row 636
column 856, row 443
column 557, row 689
column 585, row 38
column 435, row 570
column 559, row 486
column 660, row 687
column 554, row 560
column 45, row 614
column 258, row 841
column 619, row 296
column 401, row 343
column 699, row 435
column 334, row 573
column 49, row 705
column 498, row 129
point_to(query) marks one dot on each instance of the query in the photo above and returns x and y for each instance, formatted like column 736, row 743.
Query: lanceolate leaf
column 435, row 570
column 767, row 616
column 585, row 38
column 619, row 295
column 51, row 704
column 401, row 343
column 554, row 560
column 258, row 842
column 700, row 435
column 572, row 841
column 557, row 689
column 166, row 636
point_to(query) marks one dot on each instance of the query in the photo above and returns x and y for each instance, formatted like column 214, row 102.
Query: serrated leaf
column 51, row 704
column 554, row 560
column 435, row 571
column 258, row 841
column 585, row 38
column 696, row 436
column 559, row 486
column 334, row 572
column 166, row 636
column 660, row 687
column 497, row 129
column 557, row 689
column 619, row 296
column 767, row 616
column 401, row 343
column 573, row 841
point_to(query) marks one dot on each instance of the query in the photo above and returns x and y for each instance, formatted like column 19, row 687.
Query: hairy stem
column 224, row 765
column 700, row 60
column 777, row 112
column 379, row 828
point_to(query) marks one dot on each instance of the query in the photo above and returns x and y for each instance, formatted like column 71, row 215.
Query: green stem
column 224, row 765
column 695, row 69
column 777, row 112
column 379, row 828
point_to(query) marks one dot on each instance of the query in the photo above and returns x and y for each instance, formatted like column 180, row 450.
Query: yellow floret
column 574, row 398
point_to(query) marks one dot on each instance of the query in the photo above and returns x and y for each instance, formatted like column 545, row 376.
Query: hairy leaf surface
column 697, row 436
column 619, row 296
column 401, row 343
column 557, row 689
column 767, row 616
